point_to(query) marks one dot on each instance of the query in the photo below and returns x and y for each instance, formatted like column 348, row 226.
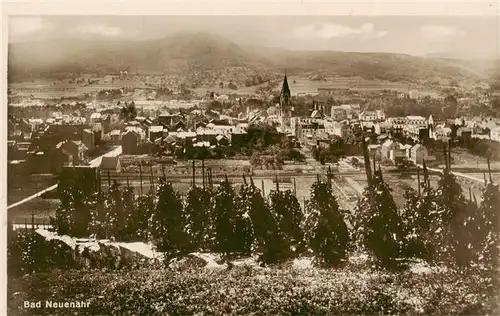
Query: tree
column 325, row 228
column 417, row 219
column 489, row 226
column 450, row 237
column 377, row 224
column 198, row 212
column 128, row 112
column 145, row 205
column 232, row 227
column 286, row 209
column 127, row 226
column 114, row 215
column 168, row 221
column 268, row 240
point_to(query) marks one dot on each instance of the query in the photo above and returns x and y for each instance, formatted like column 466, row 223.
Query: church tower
column 285, row 107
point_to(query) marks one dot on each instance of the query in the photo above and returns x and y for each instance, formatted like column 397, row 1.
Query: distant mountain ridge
column 195, row 52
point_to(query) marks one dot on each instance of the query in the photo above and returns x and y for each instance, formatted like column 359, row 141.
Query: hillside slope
column 189, row 53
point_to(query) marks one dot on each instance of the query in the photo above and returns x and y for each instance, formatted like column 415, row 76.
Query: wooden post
column 374, row 167
column 109, row 180
column 294, row 187
column 366, row 157
column 140, row 179
column 244, row 179
column 445, row 159
column 489, row 169
column 262, row 188
column 32, row 220
column 449, row 154
column 418, row 180
column 128, row 183
column 203, row 172
column 152, row 180
column 426, row 175
column 277, row 183
column 470, row 194
column 194, row 176
column 99, row 181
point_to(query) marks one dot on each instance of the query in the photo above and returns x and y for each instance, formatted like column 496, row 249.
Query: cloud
column 99, row 29
column 437, row 33
column 27, row 25
column 329, row 30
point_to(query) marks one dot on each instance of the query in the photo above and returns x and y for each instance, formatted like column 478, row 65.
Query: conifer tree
column 416, row 216
column 142, row 217
column 127, row 226
column 98, row 212
column 198, row 212
column 268, row 240
column 489, row 230
column 168, row 221
column 114, row 215
column 223, row 214
column 325, row 229
column 377, row 224
column 448, row 229
column 286, row 209
column 233, row 230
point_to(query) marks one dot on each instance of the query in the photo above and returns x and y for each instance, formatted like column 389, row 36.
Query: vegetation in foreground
column 352, row 290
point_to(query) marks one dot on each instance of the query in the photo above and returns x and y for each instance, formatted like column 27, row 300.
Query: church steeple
column 285, row 92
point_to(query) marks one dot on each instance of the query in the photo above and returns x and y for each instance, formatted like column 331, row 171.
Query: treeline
column 437, row 225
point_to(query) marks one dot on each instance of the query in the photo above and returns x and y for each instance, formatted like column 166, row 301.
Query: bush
column 242, row 291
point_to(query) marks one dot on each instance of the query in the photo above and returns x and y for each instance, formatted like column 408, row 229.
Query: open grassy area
column 292, row 289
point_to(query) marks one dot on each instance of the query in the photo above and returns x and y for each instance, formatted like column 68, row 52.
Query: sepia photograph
column 224, row 162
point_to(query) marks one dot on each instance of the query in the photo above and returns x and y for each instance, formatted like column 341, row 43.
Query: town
column 283, row 135
column 195, row 173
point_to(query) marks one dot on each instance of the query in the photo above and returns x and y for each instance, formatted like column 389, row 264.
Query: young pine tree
column 325, row 229
column 145, row 205
column 233, row 230
column 168, row 221
column 127, row 226
column 377, row 224
column 416, row 216
column 269, row 242
column 490, row 226
column 114, row 215
column 450, row 238
column 198, row 212
column 286, row 209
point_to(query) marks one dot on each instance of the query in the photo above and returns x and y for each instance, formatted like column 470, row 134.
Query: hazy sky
column 474, row 37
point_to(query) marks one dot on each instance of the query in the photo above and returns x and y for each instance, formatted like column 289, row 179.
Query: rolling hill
column 188, row 53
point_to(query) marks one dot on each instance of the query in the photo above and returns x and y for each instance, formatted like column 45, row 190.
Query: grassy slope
column 352, row 290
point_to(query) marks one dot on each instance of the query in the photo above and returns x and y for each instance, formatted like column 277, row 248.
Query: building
column 495, row 134
column 418, row 154
column 130, row 142
column 88, row 138
column 345, row 112
column 110, row 164
column 413, row 94
column 418, row 121
column 76, row 151
column 386, row 148
column 155, row 132
column 326, row 92
column 285, row 108
column 368, row 116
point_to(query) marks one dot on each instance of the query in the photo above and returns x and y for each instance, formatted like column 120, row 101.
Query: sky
column 463, row 36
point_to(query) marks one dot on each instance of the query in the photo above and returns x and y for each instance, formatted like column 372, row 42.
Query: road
column 93, row 163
